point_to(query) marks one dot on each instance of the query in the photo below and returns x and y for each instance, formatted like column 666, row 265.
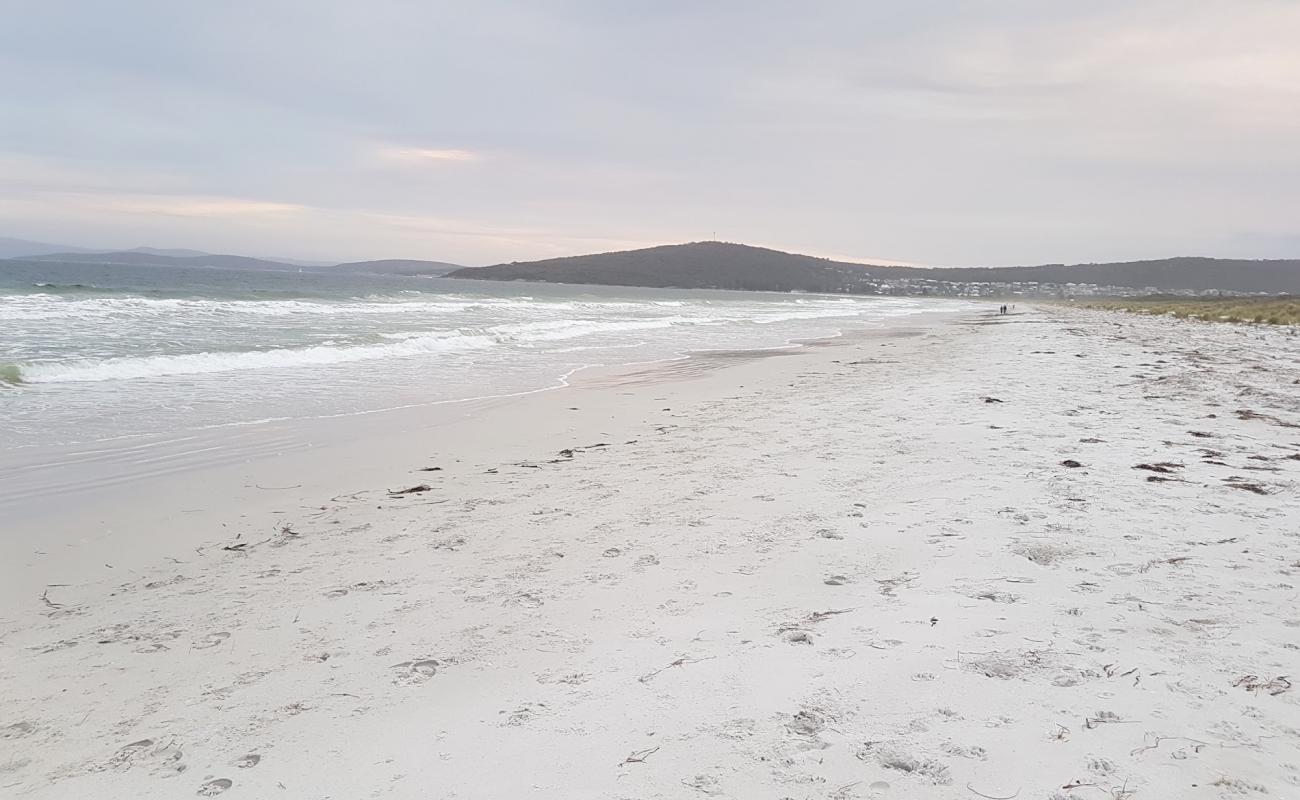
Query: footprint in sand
column 878, row 788
column 524, row 599
column 128, row 754
column 17, row 730
column 334, row 594
column 211, row 640
column 214, row 787
column 247, row 762
column 413, row 673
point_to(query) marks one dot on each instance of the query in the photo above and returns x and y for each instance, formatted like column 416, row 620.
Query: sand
column 915, row 563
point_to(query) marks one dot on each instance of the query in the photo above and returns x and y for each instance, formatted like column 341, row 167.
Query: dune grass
column 1262, row 310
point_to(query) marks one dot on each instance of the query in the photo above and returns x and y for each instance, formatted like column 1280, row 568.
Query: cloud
column 189, row 206
column 424, row 155
column 540, row 241
column 78, row 205
column 943, row 132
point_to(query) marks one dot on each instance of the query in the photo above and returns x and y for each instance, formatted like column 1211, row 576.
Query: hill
column 1168, row 274
column 146, row 258
column 161, row 251
column 400, row 266
column 699, row 265
column 720, row 265
column 22, row 248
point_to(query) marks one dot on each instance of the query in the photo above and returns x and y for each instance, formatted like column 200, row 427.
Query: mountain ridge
column 157, row 257
column 149, row 257
column 11, row 247
column 725, row 265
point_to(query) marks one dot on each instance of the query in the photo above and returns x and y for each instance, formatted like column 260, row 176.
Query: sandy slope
column 846, row 572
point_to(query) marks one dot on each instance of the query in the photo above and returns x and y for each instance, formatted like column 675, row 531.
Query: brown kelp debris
column 1246, row 413
column 1237, row 482
column 1164, row 467
column 424, row 487
column 1256, row 684
column 569, row 452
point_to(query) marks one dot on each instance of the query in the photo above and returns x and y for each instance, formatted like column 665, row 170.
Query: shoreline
column 860, row 568
column 102, row 514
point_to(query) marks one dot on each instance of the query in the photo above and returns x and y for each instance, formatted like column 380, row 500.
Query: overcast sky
column 929, row 131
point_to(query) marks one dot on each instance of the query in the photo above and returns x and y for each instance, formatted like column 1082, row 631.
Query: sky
column 941, row 132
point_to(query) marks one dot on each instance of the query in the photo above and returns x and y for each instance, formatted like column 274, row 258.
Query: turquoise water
column 111, row 358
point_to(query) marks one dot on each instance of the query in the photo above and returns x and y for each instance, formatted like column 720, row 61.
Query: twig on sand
column 843, row 791
column 241, row 547
column 1106, row 718
column 681, row 661
column 639, row 756
column 277, row 488
column 993, row 796
column 45, row 598
column 1197, row 744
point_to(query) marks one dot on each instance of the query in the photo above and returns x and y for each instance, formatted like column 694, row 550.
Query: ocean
column 136, row 370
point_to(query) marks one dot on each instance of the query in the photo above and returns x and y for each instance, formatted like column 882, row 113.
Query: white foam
column 210, row 362
column 33, row 307
column 561, row 329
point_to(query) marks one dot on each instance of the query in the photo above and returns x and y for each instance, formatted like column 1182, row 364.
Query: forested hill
column 698, row 265
column 723, row 265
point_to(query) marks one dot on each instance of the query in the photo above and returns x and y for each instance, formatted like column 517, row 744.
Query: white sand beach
column 1054, row 554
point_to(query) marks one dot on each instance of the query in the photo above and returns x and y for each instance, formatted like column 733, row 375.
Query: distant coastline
column 724, row 265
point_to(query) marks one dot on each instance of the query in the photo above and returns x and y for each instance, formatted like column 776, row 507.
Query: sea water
column 109, row 365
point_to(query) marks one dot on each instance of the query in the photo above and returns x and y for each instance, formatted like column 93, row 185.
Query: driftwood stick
column 639, row 756
column 993, row 796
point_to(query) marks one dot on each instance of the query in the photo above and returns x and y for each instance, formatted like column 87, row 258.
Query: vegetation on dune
column 1263, row 310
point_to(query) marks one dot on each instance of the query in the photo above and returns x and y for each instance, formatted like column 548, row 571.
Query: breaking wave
column 210, row 362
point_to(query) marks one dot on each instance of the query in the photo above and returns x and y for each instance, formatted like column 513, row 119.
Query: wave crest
column 211, row 362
